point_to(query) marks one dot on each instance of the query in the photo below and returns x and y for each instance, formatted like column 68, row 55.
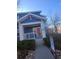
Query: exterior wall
column 22, row 30
column 32, row 19
column 19, row 15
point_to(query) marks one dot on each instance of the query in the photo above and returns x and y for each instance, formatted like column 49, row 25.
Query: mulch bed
column 21, row 54
column 25, row 54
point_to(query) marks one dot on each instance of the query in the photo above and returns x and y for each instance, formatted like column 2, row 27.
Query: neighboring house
column 58, row 27
column 30, row 25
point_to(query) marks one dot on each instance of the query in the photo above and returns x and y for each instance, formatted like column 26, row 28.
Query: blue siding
column 28, row 29
column 33, row 19
column 19, row 15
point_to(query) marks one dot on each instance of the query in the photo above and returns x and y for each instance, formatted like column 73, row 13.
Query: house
column 58, row 27
column 30, row 25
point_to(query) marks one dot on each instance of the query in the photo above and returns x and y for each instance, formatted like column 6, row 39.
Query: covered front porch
column 30, row 31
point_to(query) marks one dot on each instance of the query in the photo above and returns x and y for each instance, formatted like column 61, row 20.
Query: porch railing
column 30, row 35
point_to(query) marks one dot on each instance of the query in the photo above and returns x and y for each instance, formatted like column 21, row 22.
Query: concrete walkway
column 42, row 52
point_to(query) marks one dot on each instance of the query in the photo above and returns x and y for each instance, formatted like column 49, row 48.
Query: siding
column 32, row 19
column 19, row 15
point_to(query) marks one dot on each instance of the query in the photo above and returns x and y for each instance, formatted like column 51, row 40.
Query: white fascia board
column 38, row 16
column 31, row 23
column 32, row 15
column 23, row 17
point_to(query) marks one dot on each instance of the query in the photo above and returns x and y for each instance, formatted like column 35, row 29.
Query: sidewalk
column 43, row 52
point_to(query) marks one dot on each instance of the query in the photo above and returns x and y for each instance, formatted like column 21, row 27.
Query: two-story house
column 30, row 25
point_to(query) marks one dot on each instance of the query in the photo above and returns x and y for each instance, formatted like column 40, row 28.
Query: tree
column 55, row 22
column 18, row 4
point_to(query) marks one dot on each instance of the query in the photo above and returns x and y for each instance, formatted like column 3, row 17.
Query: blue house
column 31, row 25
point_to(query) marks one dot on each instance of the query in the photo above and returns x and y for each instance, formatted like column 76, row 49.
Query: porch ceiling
column 34, row 25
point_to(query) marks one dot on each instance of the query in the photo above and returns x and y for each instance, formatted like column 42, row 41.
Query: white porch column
column 43, row 29
column 21, row 31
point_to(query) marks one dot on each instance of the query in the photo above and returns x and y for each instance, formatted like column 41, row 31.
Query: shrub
column 47, row 42
column 19, row 45
column 21, row 54
column 57, row 41
column 26, row 44
column 57, row 44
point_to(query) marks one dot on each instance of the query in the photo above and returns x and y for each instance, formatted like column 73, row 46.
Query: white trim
column 21, row 31
column 28, row 34
column 21, row 19
column 31, row 23
column 38, row 16
column 25, row 16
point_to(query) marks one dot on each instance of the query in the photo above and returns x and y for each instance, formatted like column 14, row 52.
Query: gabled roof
column 21, row 14
column 25, row 15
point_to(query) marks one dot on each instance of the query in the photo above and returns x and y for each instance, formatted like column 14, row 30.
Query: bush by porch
column 23, row 48
column 47, row 42
column 26, row 44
